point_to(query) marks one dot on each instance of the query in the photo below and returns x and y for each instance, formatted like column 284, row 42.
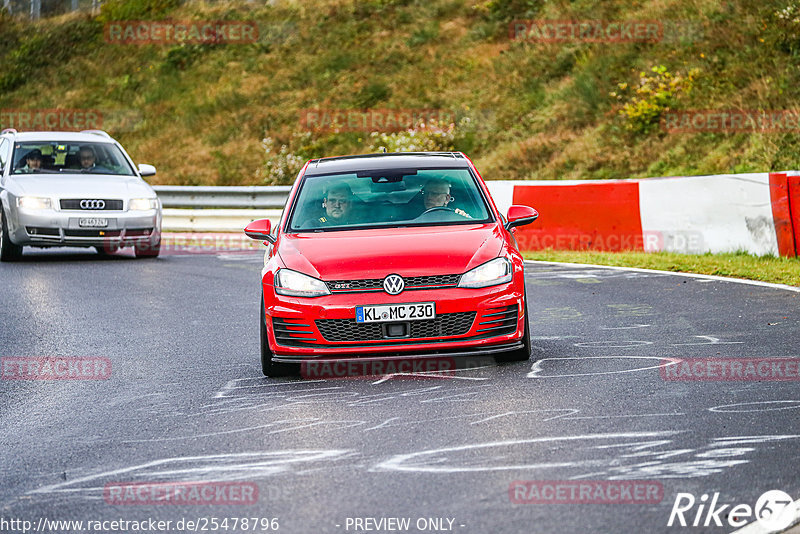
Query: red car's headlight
column 294, row 284
column 491, row 273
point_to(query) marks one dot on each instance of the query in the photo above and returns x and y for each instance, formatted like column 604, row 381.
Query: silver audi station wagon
column 61, row 189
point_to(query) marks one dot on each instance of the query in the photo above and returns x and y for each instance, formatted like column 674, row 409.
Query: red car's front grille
column 445, row 325
column 376, row 284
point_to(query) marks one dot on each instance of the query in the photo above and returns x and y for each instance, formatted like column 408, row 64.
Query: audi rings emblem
column 93, row 204
column 394, row 284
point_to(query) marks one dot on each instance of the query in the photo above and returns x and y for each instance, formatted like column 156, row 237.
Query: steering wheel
column 436, row 208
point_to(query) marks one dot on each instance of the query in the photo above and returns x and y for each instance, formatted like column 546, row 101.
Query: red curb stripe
column 592, row 216
column 782, row 214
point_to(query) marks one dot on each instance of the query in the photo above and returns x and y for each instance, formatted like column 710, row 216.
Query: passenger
column 338, row 205
column 33, row 161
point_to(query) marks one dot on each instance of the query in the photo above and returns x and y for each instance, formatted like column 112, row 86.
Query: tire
column 524, row 353
column 268, row 367
column 8, row 250
column 147, row 250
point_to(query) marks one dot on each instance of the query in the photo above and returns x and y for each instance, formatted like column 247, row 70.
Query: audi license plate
column 93, row 223
column 395, row 312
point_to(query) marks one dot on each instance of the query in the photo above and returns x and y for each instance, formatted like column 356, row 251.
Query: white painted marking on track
column 728, row 408
column 711, row 340
column 613, row 344
column 536, row 368
column 624, row 327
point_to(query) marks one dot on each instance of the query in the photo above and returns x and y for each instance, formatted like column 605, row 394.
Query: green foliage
column 422, row 138
column 113, row 10
column 657, row 91
column 51, row 44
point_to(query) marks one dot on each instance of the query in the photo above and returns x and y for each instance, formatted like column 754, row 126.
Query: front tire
column 8, row 250
column 147, row 250
column 524, row 353
column 268, row 367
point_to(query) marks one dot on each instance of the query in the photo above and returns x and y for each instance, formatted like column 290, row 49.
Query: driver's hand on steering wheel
column 462, row 213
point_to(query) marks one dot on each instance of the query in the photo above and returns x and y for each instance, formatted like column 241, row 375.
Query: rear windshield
column 56, row 157
column 388, row 198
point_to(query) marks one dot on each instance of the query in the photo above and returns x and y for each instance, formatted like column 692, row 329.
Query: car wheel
column 524, row 353
column 146, row 250
column 268, row 367
column 8, row 250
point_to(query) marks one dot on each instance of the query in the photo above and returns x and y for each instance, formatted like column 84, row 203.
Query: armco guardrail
column 210, row 197
column 758, row 213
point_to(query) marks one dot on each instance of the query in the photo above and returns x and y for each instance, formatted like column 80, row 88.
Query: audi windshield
column 411, row 197
column 53, row 157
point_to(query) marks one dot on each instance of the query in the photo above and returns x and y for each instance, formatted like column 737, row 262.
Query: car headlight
column 34, row 203
column 491, row 273
column 294, row 284
column 143, row 204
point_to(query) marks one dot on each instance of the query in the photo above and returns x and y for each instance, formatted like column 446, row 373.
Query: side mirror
column 260, row 230
column 147, row 170
column 520, row 216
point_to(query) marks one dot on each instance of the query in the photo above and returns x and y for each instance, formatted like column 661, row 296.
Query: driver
column 436, row 194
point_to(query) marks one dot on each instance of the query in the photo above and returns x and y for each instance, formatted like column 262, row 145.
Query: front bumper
column 49, row 228
column 467, row 321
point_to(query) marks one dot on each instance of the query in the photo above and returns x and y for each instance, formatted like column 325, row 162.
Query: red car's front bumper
column 467, row 320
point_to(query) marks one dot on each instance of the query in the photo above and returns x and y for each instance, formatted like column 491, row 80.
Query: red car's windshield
column 388, row 198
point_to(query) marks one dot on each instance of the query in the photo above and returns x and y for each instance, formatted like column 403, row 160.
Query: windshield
column 388, row 198
column 56, row 157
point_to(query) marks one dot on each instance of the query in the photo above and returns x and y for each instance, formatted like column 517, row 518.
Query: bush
column 657, row 92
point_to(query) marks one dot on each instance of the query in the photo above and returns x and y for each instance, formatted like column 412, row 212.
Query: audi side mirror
column 147, row 170
column 260, row 230
column 520, row 216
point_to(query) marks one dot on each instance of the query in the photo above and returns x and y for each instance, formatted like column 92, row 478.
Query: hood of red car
column 375, row 253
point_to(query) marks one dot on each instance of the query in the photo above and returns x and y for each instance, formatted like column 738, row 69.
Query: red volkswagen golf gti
column 388, row 255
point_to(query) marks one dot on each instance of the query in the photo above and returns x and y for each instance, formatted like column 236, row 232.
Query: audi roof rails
column 8, row 130
column 97, row 132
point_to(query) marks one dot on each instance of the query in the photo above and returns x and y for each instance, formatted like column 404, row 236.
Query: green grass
column 536, row 110
column 736, row 265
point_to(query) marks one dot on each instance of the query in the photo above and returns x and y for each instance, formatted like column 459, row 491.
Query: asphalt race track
column 186, row 402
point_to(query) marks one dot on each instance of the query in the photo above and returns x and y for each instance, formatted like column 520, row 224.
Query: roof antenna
column 384, row 149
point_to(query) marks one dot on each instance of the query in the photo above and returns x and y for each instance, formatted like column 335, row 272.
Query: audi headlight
column 294, row 284
column 143, row 204
column 34, row 203
column 491, row 273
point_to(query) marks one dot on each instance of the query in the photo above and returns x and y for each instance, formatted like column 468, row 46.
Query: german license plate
column 93, row 223
column 395, row 312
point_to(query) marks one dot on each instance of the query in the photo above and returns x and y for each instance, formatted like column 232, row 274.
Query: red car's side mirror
column 520, row 216
column 260, row 230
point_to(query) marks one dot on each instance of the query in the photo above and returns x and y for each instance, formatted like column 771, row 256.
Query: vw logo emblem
column 393, row 284
column 93, row 204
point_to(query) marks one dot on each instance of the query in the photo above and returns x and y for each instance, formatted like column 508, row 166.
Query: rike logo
column 774, row 511
column 393, row 284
